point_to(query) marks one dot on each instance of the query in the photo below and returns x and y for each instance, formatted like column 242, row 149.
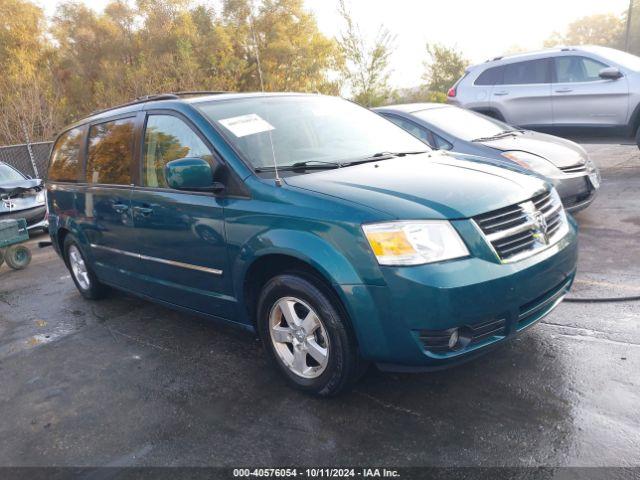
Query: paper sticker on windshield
column 246, row 125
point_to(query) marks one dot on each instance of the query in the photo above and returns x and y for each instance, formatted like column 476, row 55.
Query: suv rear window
column 65, row 157
column 111, row 152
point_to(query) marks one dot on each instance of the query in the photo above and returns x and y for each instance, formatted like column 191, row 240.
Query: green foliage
column 366, row 65
column 28, row 91
column 79, row 61
column 602, row 29
column 444, row 67
column 416, row 95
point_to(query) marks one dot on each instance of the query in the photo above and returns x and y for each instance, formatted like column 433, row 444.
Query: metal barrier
column 29, row 158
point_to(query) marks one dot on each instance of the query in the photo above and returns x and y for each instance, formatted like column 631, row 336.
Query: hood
column 11, row 188
column 428, row 186
column 560, row 152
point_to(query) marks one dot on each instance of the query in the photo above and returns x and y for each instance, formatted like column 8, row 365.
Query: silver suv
column 573, row 87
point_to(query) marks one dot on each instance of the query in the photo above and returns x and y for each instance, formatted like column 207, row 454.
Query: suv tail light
column 452, row 92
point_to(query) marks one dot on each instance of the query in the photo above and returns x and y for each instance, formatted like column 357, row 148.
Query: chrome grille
column 518, row 231
column 579, row 168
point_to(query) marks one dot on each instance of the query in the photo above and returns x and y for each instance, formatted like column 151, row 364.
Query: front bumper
column 471, row 293
column 576, row 193
column 35, row 217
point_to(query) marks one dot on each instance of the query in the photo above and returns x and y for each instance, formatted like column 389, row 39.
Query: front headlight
column 40, row 197
column 414, row 242
column 533, row 162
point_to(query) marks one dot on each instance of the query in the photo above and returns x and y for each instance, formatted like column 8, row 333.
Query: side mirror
column 610, row 73
column 194, row 174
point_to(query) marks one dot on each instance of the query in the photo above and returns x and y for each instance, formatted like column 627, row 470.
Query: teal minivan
column 328, row 230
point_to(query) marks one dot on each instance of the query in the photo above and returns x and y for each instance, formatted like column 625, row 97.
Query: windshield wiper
column 383, row 156
column 504, row 133
column 307, row 165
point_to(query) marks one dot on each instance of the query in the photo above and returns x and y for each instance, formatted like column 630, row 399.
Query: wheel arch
column 267, row 266
column 634, row 121
column 492, row 112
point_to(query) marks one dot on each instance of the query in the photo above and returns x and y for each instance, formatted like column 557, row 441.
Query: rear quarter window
column 65, row 157
column 491, row 76
column 110, row 152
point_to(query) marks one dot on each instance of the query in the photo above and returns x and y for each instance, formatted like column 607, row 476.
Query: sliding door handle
column 144, row 211
column 120, row 207
column 502, row 92
column 564, row 90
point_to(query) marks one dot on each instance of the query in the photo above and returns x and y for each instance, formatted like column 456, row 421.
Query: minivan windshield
column 9, row 175
column 463, row 124
column 306, row 129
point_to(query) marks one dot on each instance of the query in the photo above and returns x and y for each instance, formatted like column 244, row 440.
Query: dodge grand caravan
column 331, row 232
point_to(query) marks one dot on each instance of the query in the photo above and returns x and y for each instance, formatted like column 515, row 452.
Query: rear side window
column 168, row 138
column 491, row 76
column 111, row 152
column 529, row 72
column 65, row 157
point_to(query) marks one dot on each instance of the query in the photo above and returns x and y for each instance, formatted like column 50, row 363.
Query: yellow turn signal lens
column 390, row 243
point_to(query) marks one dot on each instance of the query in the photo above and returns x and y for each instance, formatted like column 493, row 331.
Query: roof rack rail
column 198, row 92
column 159, row 96
column 142, row 99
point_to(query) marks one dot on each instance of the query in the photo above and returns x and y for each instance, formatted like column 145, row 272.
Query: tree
column 81, row 60
column 444, row 67
column 28, row 104
column 601, row 29
column 294, row 55
column 366, row 65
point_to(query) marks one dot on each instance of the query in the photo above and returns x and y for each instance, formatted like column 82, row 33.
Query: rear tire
column 307, row 336
column 18, row 257
column 83, row 276
column 638, row 137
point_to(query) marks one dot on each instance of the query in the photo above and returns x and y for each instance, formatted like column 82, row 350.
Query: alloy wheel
column 299, row 337
column 79, row 268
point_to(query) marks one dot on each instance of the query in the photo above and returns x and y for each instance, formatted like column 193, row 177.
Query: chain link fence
column 29, row 158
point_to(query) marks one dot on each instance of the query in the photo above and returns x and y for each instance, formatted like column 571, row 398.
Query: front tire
column 86, row 281
column 306, row 335
column 638, row 137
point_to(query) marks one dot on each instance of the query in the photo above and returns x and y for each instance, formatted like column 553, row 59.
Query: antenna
column 255, row 47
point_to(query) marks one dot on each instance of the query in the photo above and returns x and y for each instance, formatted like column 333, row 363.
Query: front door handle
column 144, row 211
column 502, row 92
column 564, row 90
column 120, row 207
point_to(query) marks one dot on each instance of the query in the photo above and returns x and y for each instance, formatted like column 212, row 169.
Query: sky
column 480, row 29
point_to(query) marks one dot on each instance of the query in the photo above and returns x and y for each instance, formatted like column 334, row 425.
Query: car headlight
column 40, row 197
column 414, row 242
column 534, row 163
